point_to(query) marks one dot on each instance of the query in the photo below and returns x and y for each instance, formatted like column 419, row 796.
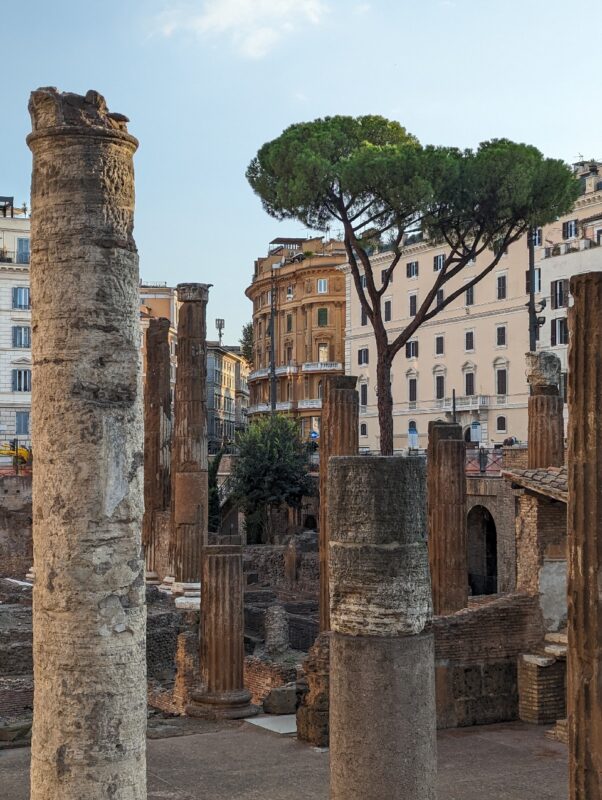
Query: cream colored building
column 476, row 346
column 157, row 299
column 309, row 300
column 227, row 394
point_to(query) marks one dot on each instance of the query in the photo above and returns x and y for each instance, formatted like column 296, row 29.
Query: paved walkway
column 242, row 762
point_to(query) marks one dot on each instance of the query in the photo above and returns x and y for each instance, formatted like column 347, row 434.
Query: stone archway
column 482, row 551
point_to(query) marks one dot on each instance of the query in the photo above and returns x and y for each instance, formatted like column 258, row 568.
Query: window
column 364, row 316
column 412, row 349
column 22, row 423
column 439, row 387
column 412, row 269
column 537, row 237
column 290, row 292
column 362, row 356
column 21, row 380
column 469, row 340
column 21, row 336
column 470, row 296
column 320, row 390
column 439, row 345
column 501, row 287
column 500, row 336
column 21, row 297
column 363, row 281
column 469, row 384
column 363, row 394
column 413, row 304
column 500, row 422
column 22, row 251
column 323, row 352
column 322, row 317
column 383, row 276
column 440, row 297
column 559, row 333
column 412, row 390
column 289, row 323
column 438, row 262
column 289, row 355
column 564, row 386
column 322, row 285
column 363, row 426
column 387, row 311
column 501, row 380
column 569, row 229
column 560, row 293
column 537, row 287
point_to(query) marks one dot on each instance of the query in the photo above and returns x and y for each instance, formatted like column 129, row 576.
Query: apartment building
column 299, row 285
column 157, row 299
column 475, row 348
column 227, row 394
column 15, row 322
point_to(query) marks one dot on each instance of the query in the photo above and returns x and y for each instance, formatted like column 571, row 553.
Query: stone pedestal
column 546, row 418
column 157, row 438
column 89, row 614
column 189, row 454
column 584, row 691
column 313, row 712
column 222, row 693
column 382, row 678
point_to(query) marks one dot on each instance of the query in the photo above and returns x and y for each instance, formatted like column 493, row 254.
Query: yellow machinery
column 22, row 455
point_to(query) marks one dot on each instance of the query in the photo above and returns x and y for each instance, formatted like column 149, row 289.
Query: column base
column 221, row 705
column 168, row 582
column 186, row 589
column 187, row 603
column 151, row 578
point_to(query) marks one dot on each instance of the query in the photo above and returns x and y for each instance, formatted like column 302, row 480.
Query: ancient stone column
column 584, row 691
column 222, row 693
column 189, row 455
column 382, row 676
column 338, row 437
column 157, row 437
column 88, row 610
column 447, row 541
column 546, row 423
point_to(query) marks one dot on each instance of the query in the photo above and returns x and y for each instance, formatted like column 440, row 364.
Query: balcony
column 570, row 246
column 264, row 372
column 287, row 369
column 314, row 402
column 260, row 408
column 286, row 405
column 12, row 257
column 322, row 366
column 259, row 373
column 465, row 403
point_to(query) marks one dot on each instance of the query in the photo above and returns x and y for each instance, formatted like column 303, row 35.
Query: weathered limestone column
column 189, row 455
column 338, row 437
column 222, row 692
column 382, row 679
column 584, row 691
column 546, row 422
column 88, row 610
column 157, row 436
column 447, row 543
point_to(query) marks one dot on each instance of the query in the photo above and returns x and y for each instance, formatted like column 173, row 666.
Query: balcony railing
column 12, row 257
column 287, row 369
column 464, row 402
column 314, row 402
column 570, row 246
column 259, row 408
column 283, row 369
column 321, row 366
column 258, row 373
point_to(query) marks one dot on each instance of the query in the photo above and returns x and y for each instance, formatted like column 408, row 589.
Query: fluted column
column 189, row 454
column 584, row 691
column 382, row 680
column 89, row 613
column 222, row 693
column 447, row 543
column 157, row 436
column 338, row 437
column 546, row 406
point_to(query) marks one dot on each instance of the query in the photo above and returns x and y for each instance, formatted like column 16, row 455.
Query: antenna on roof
column 220, row 325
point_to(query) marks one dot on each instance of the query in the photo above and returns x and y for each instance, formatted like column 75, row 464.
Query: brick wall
column 16, row 546
column 542, row 689
column 268, row 562
column 262, row 675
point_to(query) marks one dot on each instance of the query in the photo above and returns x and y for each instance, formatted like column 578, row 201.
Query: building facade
column 475, row 348
column 298, row 284
column 157, row 299
column 227, row 394
column 15, row 323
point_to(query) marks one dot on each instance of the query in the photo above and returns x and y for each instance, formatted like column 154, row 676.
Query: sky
column 206, row 82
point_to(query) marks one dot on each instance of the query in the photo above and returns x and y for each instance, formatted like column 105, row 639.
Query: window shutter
column 527, row 282
column 14, row 336
column 359, row 357
column 15, row 296
column 366, row 356
column 408, row 350
column 565, row 292
column 416, row 349
column 565, row 230
column 553, row 332
column 408, row 270
column 14, row 380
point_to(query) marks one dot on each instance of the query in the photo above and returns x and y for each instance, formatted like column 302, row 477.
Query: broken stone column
column 157, row 437
column 276, row 631
column 584, row 690
column 189, row 455
column 382, row 677
column 447, row 541
column 222, row 693
column 546, row 422
column 89, row 611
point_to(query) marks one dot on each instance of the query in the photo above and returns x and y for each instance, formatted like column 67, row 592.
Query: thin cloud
column 253, row 27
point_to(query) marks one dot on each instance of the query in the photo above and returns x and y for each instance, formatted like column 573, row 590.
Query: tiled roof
column 551, row 481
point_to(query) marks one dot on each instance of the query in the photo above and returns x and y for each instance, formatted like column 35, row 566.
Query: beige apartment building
column 227, row 394
column 157, row 299
column 299, row 283
column 476, row 347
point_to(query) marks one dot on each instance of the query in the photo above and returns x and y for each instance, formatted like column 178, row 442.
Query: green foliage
column 214, row 509
column 271, row 469
column 246, row 343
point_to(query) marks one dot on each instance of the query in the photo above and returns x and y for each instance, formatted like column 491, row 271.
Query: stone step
column 556, row 650
column 557, row 637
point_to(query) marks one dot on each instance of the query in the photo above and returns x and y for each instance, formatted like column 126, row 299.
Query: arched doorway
column 482, row 551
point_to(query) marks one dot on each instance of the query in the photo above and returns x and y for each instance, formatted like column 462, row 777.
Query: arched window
column 412, row 435
column 363, row 429
column 500, row 424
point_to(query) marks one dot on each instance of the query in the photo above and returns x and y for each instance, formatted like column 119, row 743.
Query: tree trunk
column 384, row 400
column 89, row 612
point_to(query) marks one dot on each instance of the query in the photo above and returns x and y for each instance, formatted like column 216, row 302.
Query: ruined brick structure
column 89, row 605
column 546, row 423
column 15, row 525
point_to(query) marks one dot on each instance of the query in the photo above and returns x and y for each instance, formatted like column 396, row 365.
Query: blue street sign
column 314, row 435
